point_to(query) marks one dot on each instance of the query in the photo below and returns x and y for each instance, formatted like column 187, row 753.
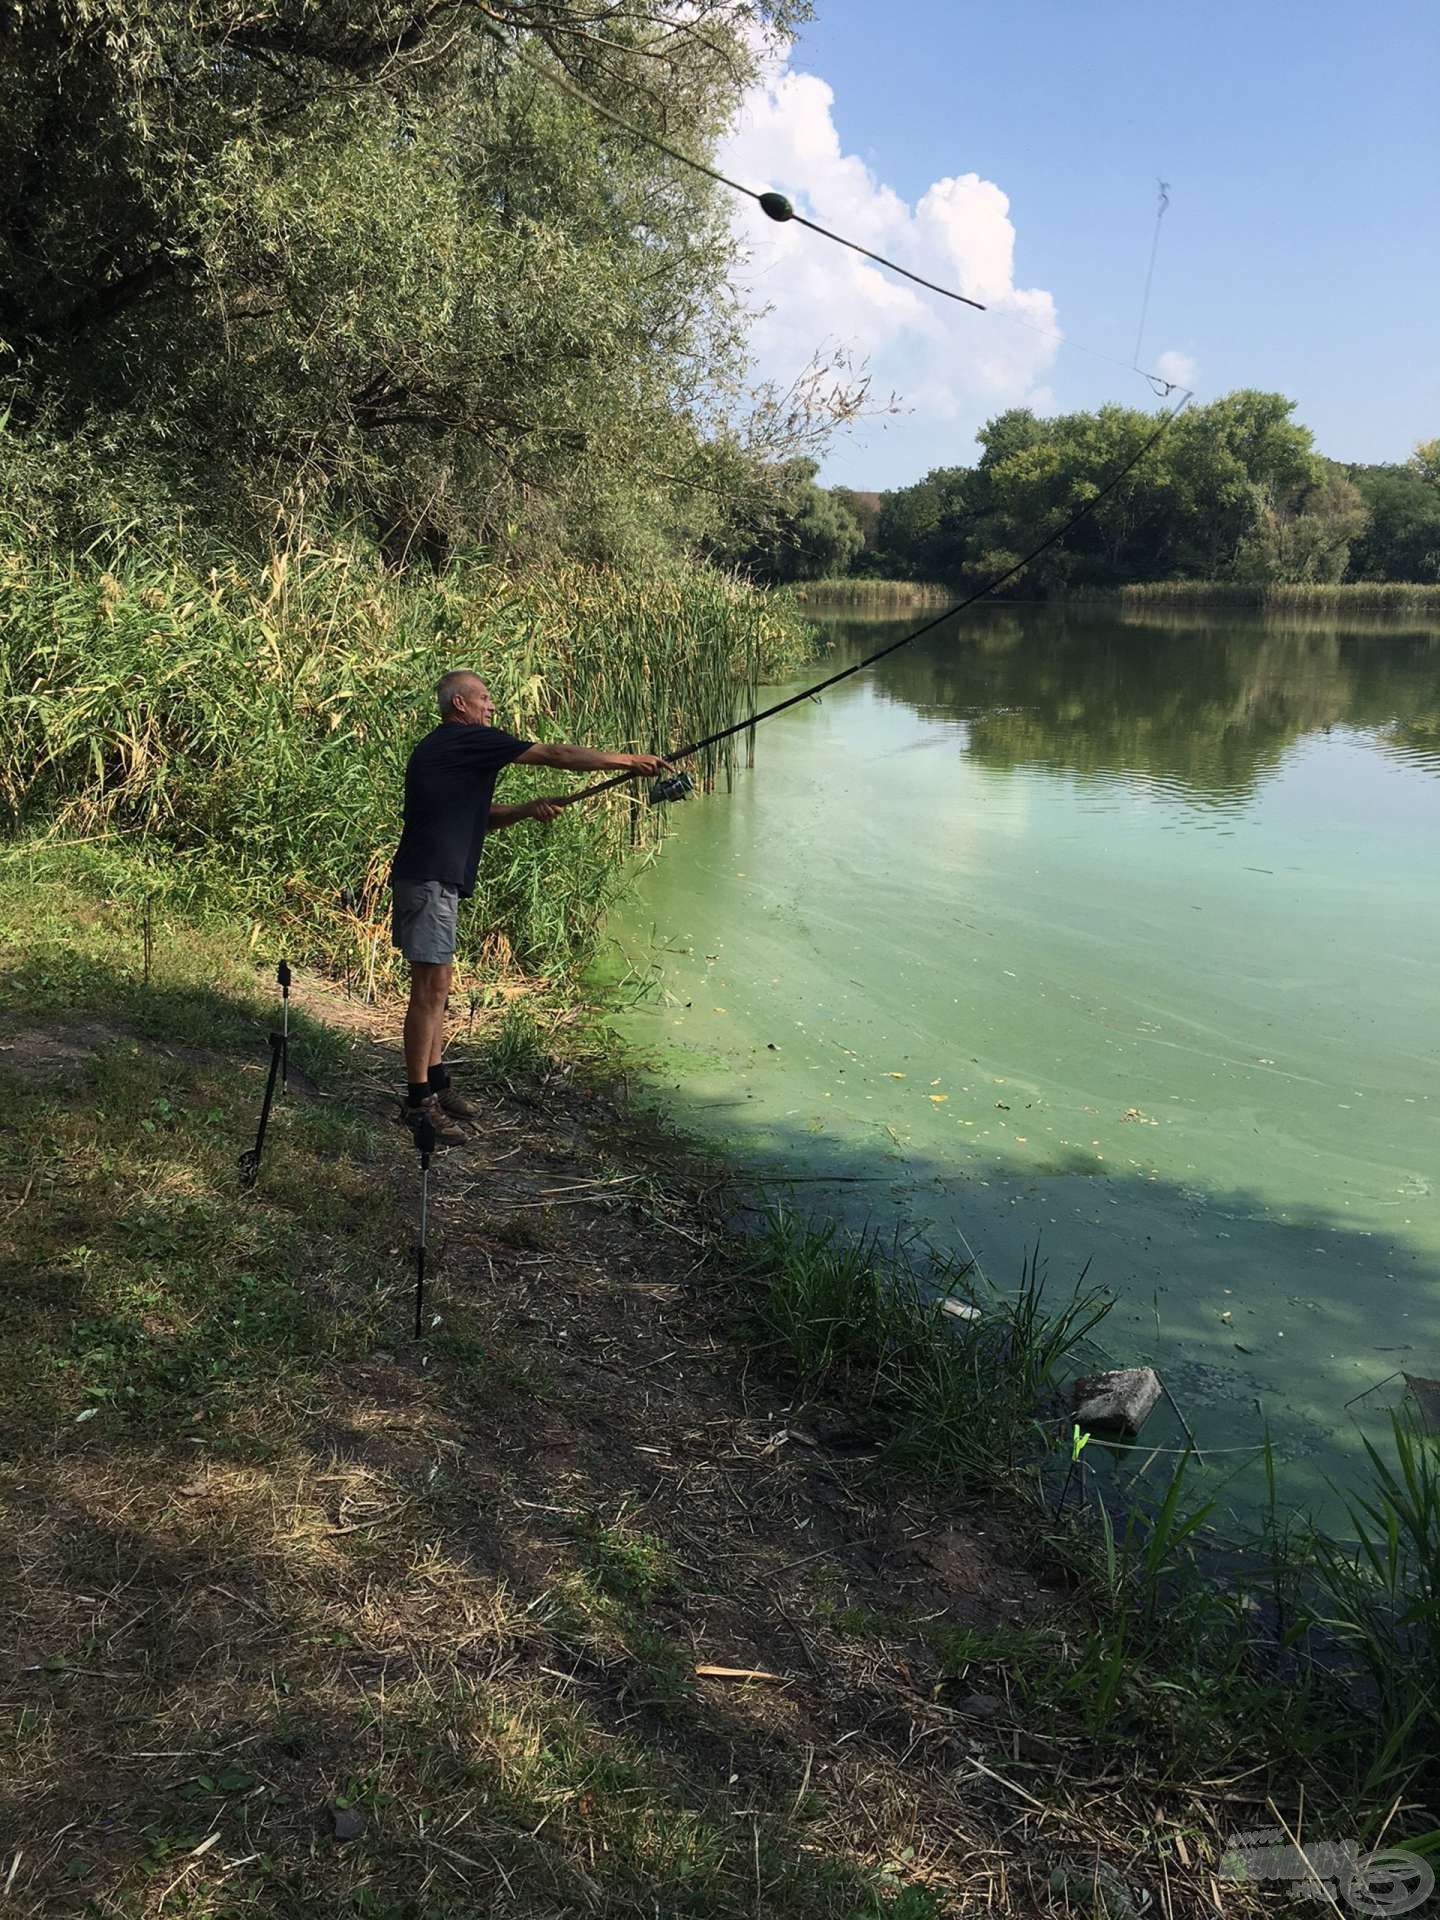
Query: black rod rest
column 252, row 1156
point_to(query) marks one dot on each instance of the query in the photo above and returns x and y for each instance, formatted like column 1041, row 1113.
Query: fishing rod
column 777, row 206
column 676, row 785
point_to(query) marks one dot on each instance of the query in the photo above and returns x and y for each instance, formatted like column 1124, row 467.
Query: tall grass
column 1380, row 1594
column 951, row 1396
column 1392, row 595
column 1285, row 1659
column 857, row 590
column 252, row 724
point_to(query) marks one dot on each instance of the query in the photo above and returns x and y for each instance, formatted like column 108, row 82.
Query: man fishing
column 449, row 791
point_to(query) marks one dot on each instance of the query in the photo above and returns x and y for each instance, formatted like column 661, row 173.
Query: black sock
column 416, row 1095
column 439, row 1079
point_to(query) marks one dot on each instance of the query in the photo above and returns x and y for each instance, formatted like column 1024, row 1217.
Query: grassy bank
column 670, row 1574
column 1289, row 1658
column 249, row 727
column 1366, row 595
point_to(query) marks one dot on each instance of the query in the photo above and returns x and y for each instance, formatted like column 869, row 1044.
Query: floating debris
column 959, row 1309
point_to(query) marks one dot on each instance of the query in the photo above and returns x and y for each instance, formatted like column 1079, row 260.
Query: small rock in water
column 1119, row 1402
column 1426, row 1395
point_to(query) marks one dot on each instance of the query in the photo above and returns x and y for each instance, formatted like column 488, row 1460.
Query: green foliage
column 379, row 262
column 1230, row 1674
column 1382, row 1594
column 1402, row 541
column 1188, row 510
column 629, row 1565
column 864, row 509
column 1425, row 461
column 255, row 730
column 791, row 531
column 1294, row 600
column 516, row 1049
column 873, row 595
column 1234, row 492
column 919, row 530
column 1288, row 546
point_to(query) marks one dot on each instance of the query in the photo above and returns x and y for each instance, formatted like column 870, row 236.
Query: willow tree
column 368, row 257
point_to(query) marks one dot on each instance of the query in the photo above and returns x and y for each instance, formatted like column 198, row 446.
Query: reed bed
column 861, row 592
column 1384, row 595
column 251, row 725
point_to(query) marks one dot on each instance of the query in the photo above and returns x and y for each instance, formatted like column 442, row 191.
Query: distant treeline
column 1234, row 493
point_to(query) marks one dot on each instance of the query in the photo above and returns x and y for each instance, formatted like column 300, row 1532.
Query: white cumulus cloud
column 950, row 367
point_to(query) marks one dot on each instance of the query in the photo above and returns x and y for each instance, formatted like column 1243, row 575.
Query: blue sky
column 1300, row 252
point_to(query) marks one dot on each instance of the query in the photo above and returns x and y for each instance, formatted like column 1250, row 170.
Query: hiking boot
column 453, row 1102
column 447, row 1134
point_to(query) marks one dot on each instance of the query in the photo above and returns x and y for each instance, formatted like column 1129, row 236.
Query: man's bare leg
column 425, row 1019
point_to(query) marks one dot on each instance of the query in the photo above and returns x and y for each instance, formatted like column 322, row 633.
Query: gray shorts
column 423, row 920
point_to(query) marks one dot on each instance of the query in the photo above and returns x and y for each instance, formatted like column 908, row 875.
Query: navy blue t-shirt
column 449, row 785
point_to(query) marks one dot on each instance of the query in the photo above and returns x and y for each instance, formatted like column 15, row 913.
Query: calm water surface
column 1119, row 935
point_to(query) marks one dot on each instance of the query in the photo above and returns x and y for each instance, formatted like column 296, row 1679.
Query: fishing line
column 776, row 205
column 671, row 788
column 1150, row 270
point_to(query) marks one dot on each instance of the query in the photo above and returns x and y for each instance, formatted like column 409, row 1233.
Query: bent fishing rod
column 675, row 785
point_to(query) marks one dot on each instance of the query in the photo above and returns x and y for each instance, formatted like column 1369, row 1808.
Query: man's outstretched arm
column 591, row 760
column 546, row 809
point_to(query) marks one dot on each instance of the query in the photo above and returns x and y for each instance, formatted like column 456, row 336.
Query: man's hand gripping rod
column 670, row 786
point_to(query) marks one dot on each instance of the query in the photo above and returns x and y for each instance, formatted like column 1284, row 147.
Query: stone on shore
column 1118, row 1402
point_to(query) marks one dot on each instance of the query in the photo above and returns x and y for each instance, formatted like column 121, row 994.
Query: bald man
column 449, row 793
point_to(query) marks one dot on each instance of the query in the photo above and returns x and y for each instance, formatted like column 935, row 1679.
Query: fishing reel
column 671, row 786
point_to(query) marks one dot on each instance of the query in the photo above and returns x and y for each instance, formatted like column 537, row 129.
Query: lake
column 1112, row 933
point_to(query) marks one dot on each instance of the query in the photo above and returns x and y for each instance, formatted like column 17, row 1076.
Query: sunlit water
column 1116, row 935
